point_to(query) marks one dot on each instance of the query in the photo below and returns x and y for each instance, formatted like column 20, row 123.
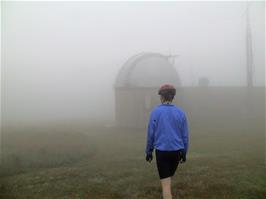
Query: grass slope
column 109, row 164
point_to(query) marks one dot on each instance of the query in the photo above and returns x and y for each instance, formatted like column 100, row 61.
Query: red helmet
column 167, row 89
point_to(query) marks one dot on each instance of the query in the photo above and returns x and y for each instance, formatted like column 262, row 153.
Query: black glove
column 183, row 156
column 149, row 157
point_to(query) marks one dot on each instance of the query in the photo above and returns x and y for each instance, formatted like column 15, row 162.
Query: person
column 168, row 134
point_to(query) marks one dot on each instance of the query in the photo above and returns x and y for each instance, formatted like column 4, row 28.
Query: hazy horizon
column 62, row 58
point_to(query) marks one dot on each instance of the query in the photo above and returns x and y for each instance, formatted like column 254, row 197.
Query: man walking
column 168, row 134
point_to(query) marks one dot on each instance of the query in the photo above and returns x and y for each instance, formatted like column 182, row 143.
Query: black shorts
column 167, row 162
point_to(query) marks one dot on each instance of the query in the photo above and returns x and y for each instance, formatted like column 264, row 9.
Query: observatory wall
column 205, row 106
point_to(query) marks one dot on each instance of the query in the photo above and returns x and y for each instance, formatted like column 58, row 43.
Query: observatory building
column 137, row 84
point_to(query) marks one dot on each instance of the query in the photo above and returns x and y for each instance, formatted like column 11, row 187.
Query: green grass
column 109, row 164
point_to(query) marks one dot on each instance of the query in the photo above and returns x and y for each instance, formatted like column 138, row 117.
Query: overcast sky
column 58, row 53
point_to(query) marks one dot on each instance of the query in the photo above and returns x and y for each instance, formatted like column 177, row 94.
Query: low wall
column 204, row 105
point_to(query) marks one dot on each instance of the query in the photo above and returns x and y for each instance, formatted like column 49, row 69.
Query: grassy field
column 108, row 163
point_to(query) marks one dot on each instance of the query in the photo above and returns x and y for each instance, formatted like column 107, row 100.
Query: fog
column 80, row 79
column 60, row 60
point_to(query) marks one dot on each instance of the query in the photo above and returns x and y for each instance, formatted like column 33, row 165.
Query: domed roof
column 147, row 70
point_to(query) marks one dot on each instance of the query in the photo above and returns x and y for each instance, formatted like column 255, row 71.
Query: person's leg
column 166, row 188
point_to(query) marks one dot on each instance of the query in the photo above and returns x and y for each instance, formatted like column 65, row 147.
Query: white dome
column 147, row 70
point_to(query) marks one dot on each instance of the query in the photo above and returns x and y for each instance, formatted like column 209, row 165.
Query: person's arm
column 150, row 135
column 185, row 133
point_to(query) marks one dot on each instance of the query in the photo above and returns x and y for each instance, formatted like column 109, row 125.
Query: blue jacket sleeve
column 185, row 133
column 150, row 134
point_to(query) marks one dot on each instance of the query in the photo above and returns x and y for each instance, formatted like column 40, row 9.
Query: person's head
column 167, row 93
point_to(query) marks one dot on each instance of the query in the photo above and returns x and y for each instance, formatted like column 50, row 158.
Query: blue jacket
column 167, row 129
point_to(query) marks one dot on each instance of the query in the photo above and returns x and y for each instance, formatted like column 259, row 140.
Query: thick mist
column 79, row 81
column 60, row 60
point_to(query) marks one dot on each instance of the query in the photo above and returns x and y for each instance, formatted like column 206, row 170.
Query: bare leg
column 166, row 186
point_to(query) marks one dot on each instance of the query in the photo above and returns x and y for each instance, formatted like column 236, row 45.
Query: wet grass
column 109, row 164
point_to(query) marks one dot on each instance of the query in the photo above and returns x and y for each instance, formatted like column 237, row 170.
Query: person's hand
column 183, row 156
column 149, row 157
